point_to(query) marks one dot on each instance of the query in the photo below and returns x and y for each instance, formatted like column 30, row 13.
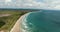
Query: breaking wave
column 41, row 21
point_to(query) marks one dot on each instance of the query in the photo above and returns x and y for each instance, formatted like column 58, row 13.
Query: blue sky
column 40, row 4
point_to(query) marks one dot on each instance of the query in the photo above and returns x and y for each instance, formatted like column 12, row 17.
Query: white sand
column 17, row 27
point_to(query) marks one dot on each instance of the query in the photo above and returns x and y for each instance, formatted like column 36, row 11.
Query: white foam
column 23, row 30
column 30, row 23
column 24, row 21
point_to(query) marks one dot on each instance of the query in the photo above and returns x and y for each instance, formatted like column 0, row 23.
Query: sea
column 41, row 21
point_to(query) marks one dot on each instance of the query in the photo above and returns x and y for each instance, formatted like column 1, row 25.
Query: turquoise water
column 42, row 21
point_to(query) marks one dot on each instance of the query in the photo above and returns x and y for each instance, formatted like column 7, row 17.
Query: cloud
column 33, row 4
column 6, row 1
column 53, row 4
column 44, row 4
column 10, row 3
column 21, row 4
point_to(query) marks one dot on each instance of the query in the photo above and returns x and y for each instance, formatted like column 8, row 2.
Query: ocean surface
column 41, row 21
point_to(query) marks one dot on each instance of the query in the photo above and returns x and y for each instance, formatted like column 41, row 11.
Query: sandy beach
column 16, row 27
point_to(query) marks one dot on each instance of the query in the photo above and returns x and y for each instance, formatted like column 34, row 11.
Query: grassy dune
column 7, row 22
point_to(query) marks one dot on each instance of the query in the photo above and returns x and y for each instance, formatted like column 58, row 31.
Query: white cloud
column 33, row 4
column 22, row 3
column 48, row 4
column 56, row 4
column 27, row 4
column 53, row 4
column 8, row 1
column 57, row 7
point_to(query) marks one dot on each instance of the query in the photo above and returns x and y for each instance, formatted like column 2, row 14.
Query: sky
column 40, row 4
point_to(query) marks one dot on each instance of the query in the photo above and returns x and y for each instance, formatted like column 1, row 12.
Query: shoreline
column 17, row 26
column 22, row 19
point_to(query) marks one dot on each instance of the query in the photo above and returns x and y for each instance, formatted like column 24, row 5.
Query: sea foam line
column 23, row 21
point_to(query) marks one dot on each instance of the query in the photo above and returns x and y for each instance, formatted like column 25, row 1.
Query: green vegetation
column 7, row 22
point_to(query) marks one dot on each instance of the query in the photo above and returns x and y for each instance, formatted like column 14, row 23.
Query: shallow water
column 42, row 21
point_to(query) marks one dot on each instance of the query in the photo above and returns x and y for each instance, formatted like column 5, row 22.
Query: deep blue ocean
column 42, row 21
